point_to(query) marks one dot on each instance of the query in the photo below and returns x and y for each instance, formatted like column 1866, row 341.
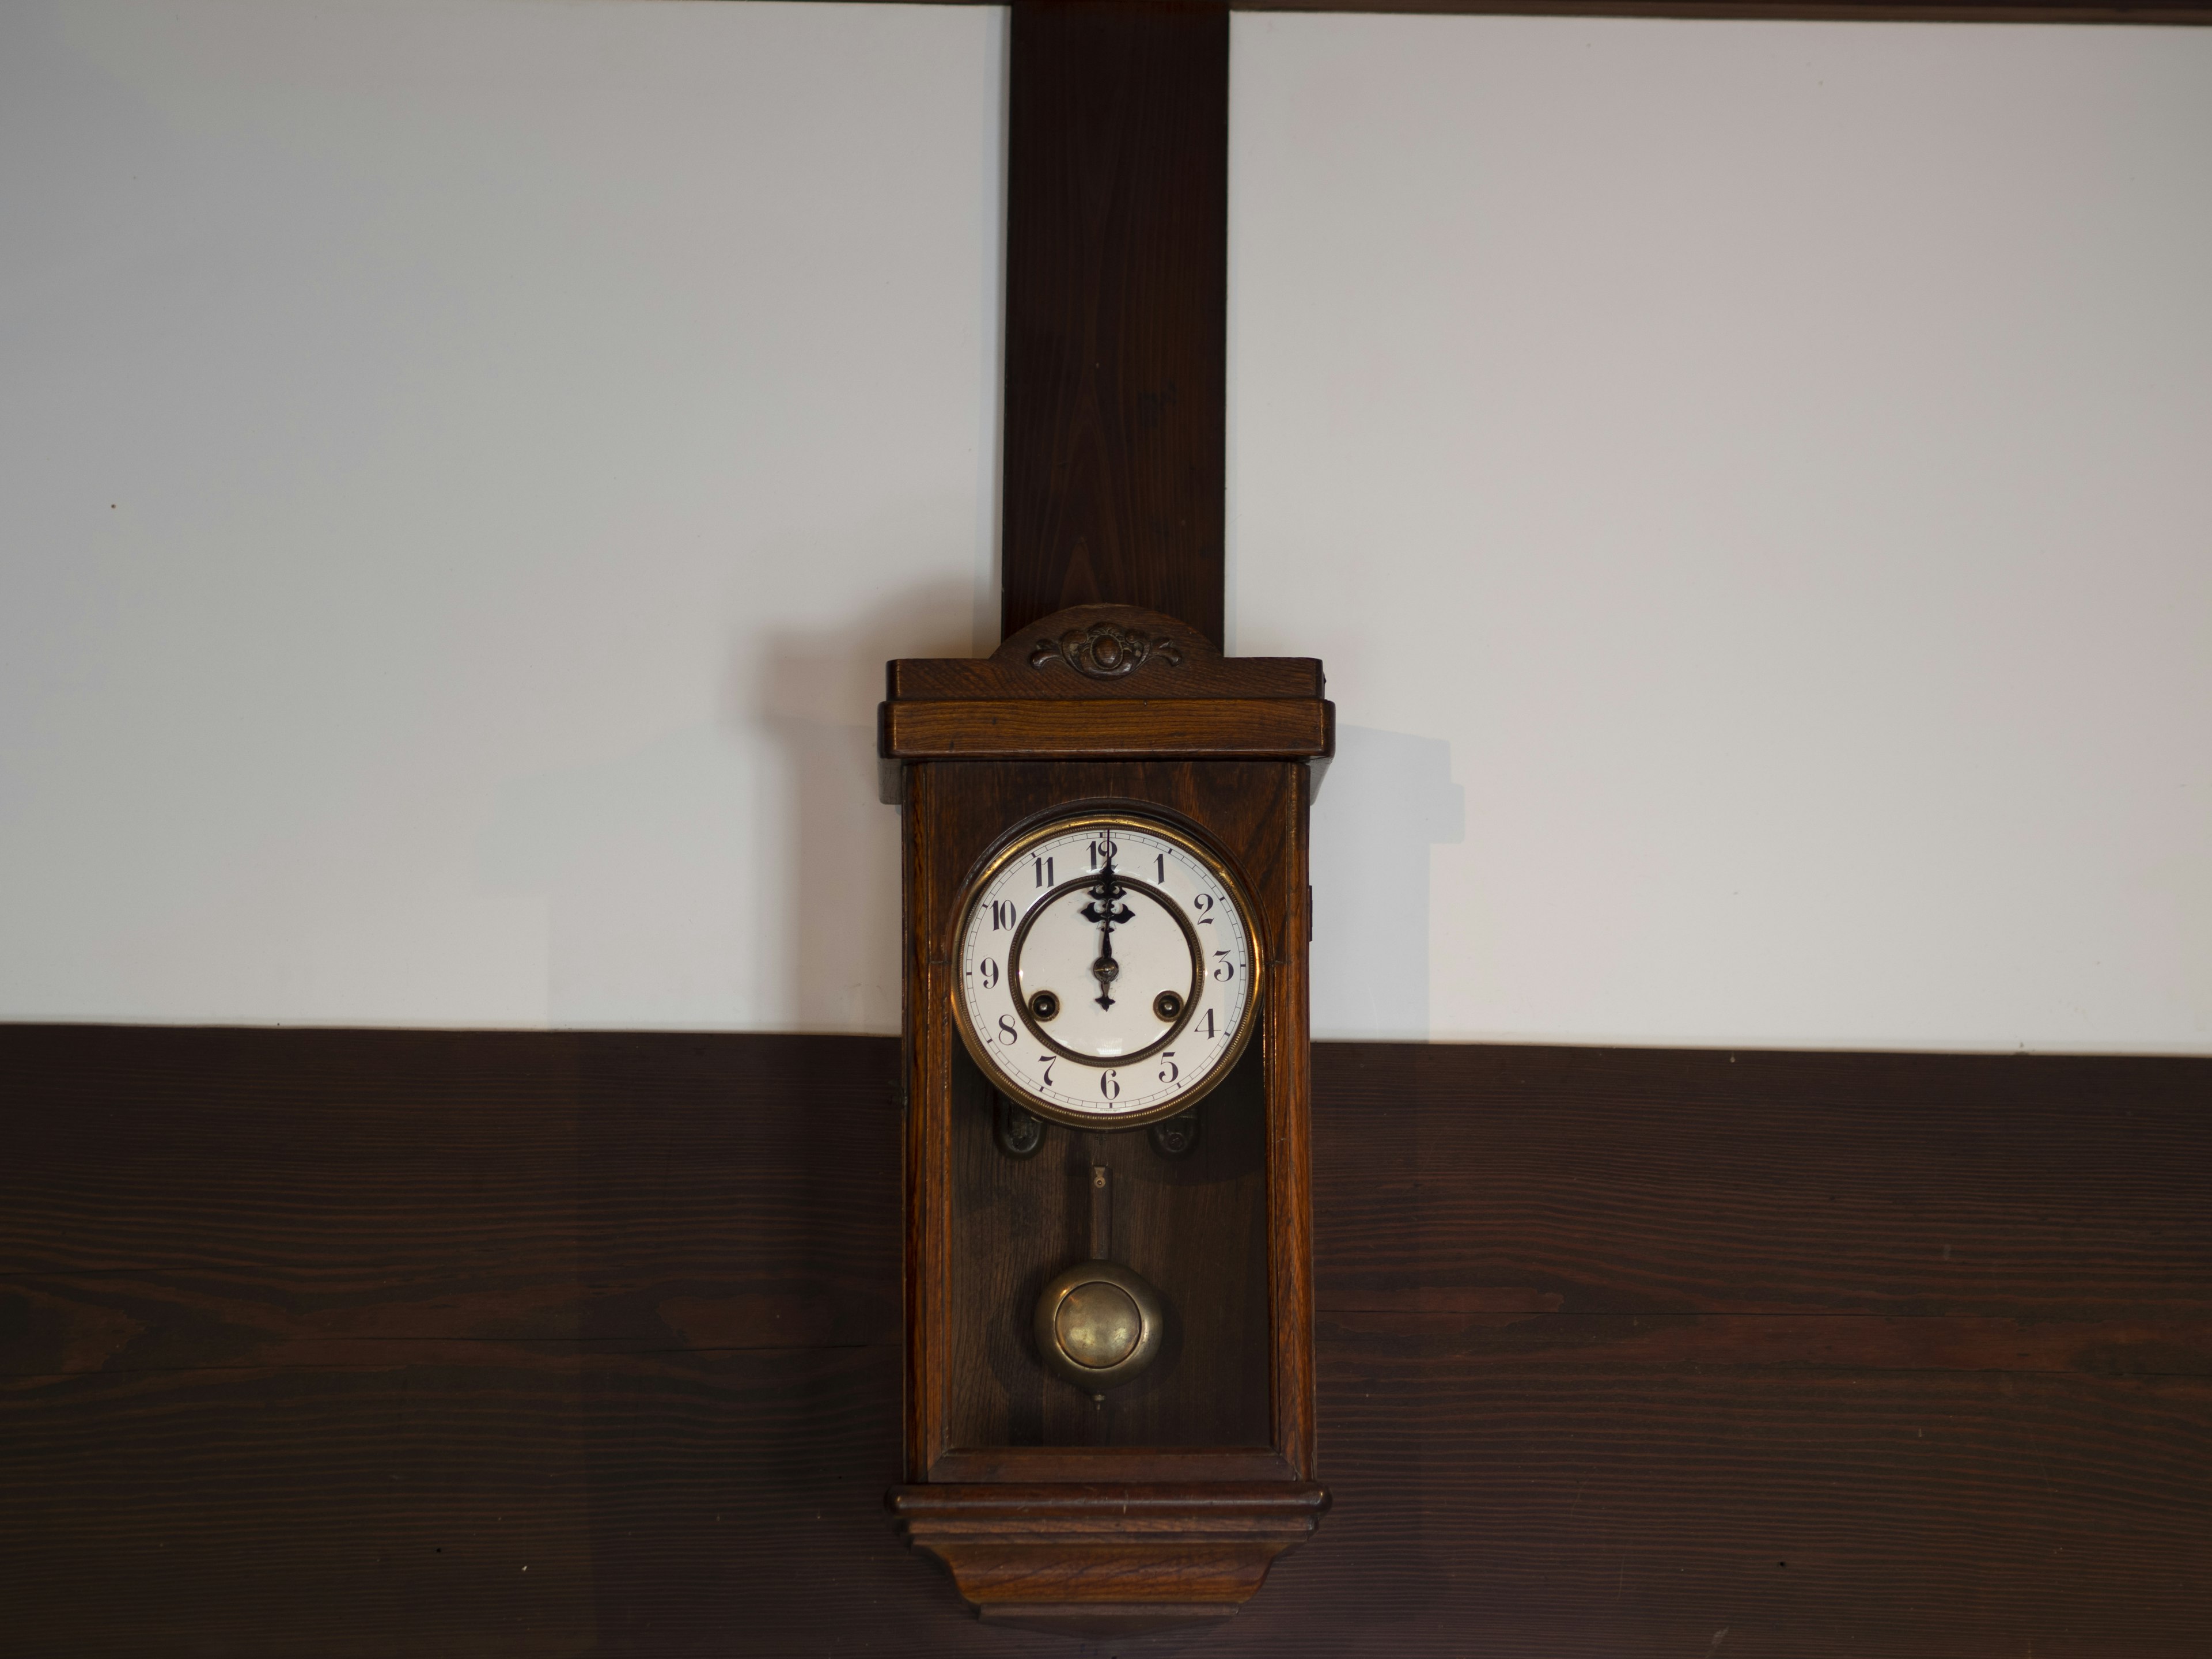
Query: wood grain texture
column 1193, row 729
column 1586, row 1181
column 1113, row 1466
column 1287, row 1040
column 1194, row 1227
column 273, row 1197
column 1199, row 1228
column 1222, row 1233
column 1108, row 1560
column 312, row 1341
column 952, row 680
column 1116, row 311
column 1841, row 1353
column 1035, row 661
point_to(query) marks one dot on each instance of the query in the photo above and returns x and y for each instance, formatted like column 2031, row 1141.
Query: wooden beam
column 1214, row 728
column 1861, row 11
column 1117, row 270
column 2166, row 12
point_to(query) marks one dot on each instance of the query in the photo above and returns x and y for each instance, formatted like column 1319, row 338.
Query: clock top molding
column 1105, row 682
column 1105, row 650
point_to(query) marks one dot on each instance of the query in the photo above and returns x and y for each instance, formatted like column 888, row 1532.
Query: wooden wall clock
column 1109, row 1376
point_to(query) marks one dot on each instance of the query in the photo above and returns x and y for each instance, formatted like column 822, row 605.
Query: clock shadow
column 738, row 872
column 836, row 872
column 1389, row 798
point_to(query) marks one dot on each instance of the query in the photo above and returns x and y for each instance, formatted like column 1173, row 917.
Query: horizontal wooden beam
column 2191, row 12
column 447, row 1343
column 1872, row 11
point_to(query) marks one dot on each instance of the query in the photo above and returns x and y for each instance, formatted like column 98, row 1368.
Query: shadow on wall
column 740, row 873
column 637, row 857
column 737, row 873
column 1389, row 797
column 841, row 924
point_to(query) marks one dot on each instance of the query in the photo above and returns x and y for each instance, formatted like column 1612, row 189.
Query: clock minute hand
column 1105, row 911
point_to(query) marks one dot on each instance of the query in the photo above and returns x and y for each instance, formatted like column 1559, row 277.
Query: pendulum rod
column 1101, row 1214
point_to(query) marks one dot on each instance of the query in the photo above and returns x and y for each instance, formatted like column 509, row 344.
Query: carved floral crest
column 1105, row 651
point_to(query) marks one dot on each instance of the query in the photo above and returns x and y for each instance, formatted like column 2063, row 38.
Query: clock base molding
column 1107, row 1561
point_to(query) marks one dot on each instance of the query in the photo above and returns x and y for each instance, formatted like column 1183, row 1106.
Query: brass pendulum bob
column 1099, row 1324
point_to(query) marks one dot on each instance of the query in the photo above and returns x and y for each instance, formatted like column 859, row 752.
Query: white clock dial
column 1106, row 971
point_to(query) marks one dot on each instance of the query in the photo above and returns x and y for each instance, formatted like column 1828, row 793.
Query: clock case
column 1166, row 1501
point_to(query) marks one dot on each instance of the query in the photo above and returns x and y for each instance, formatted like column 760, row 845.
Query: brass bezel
column 1019, row 841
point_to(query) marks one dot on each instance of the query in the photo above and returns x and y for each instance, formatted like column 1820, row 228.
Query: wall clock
column 1108, row 1383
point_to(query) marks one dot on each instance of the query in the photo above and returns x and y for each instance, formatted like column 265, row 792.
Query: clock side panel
column 1288, row 1039
column 926, row 1071
column 1198, row 1226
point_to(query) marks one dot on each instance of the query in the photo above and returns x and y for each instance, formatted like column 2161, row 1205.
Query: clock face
column 1106, row 971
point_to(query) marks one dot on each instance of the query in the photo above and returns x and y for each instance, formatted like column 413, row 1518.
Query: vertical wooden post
column 1118, row 268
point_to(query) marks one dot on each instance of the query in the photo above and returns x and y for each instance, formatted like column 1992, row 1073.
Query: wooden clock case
column 1165, row 1501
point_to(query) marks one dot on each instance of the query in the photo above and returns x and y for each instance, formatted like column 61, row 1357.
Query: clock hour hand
column 1106, row 910
column 1106, row 971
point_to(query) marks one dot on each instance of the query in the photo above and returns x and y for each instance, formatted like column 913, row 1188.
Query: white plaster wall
column 462, row 466
column 1752, row 486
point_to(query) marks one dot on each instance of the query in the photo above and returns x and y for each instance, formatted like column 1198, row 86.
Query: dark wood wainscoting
column 480, row 1344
